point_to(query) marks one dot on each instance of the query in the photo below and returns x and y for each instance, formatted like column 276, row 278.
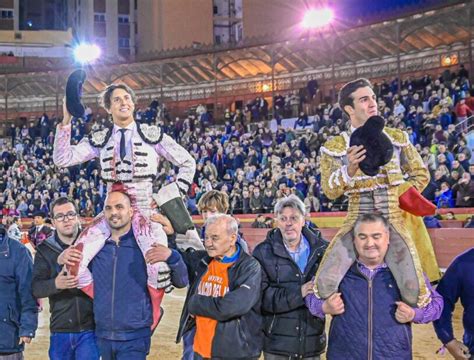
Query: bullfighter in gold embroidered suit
column 340, row 174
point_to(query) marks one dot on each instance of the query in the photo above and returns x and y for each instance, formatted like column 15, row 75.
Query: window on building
column 99, row 17
column 123, row 19
column 101, row 42
column 215, row 9
column 240, row 33
column 6, row 14
column 124, row 42
column 217, row 39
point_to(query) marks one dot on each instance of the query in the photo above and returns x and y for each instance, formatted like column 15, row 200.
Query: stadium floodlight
column 316, row 18
column 86, row 53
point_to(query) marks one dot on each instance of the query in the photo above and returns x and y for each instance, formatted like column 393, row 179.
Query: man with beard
column 123, row 310
column 72, row 320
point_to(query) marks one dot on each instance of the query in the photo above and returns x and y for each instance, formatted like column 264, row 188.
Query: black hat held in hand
column 379, row 148
column 74, row 93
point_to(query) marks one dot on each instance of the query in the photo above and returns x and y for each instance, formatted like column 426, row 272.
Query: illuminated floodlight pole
column 86, row 53
column 317, row 18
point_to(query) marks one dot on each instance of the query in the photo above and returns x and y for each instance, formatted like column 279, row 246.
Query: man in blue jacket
column 458, row 283
column 18, row 310
column 370, row 320
column 122, row 305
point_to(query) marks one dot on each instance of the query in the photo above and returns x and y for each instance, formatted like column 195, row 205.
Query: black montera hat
column 379, row 148
column 39, row 213
column 74, row 93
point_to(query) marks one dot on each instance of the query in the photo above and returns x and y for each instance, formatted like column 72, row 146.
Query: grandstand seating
column 452, row 223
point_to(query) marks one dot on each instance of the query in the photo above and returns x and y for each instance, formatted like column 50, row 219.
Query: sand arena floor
column 163, row 346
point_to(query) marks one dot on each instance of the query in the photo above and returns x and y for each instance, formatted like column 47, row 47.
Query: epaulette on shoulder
column 151, row 134
column 398, row 137
column 336, row 146
column 99, row 138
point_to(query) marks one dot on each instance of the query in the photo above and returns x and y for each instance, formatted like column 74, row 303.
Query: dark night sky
column 354, row 10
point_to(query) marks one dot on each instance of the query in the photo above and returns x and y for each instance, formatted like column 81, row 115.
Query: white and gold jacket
column 139, row 167
column 406, row 165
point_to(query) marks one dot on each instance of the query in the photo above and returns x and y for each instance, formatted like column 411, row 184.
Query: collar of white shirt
column 132, row 126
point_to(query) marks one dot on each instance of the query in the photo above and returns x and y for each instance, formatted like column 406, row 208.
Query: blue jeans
column 73, row 346
column 199, row 357
column 15, row 356
column 267, row 356
column 188, row 343
column 136, row 349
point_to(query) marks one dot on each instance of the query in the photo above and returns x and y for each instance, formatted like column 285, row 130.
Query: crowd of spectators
column 248, row 161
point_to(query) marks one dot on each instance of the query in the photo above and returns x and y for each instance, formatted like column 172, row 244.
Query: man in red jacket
column 462, row 113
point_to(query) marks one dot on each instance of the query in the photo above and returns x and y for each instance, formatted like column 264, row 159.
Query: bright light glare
column 86, row 53
column 316, row 18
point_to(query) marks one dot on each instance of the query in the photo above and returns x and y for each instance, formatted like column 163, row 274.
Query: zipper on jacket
column 78, row 314
column 243, row 332
column 113, row 284
column 308, row 262
column 302, row 274
column 370, row 345
column 190, row 293
column 271, row 324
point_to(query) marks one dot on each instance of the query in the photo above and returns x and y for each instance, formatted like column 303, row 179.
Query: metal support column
column 5, row 94
column 57, row 95
column 273, row 80
column 214, row 66
column 162, row 95
column 399, row 70
column 469, row 14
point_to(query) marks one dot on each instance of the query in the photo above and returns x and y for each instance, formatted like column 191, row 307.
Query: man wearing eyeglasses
column 289, row 257
column 72, row 319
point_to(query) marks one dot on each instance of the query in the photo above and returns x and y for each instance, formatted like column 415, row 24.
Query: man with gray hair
column 290, row 256
column 223, row 299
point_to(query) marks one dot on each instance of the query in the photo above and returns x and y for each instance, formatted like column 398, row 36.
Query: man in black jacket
column 290, row 256
column 223, row 301
column 72, row 318
column 37, row 228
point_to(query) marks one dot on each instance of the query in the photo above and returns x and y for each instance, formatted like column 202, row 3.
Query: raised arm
column 65, row 154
